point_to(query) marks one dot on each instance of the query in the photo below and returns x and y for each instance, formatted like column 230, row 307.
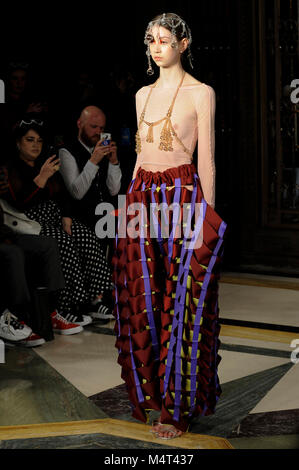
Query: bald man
column 90, row 170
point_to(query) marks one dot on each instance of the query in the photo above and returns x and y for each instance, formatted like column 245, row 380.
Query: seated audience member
column 18, row 252
column 90, row 170
column 37, row 189
column 19, row 100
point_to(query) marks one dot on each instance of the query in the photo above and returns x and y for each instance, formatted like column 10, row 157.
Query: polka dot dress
column 84, row 265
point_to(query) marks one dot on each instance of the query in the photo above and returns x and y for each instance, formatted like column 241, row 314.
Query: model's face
column 161, row 50
column 30, row 146
column 90, row 131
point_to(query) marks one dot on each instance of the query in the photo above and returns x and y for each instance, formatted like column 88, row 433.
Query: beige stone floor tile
column 259, row 304
column 88, row 360
column 235, row 365
column 283, row 396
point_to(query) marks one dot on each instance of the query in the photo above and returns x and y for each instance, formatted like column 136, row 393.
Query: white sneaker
column 102, row 312
column 11, row 329
column 81, row 320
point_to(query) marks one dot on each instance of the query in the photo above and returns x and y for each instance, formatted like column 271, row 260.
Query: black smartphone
column 51, row 151
column 47, row 153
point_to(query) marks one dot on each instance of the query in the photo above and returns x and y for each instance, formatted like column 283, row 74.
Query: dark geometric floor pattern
column 232, row 419
column 238, row 398
column 268, row 424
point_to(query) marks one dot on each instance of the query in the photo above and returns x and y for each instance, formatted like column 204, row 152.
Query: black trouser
column 30, row 261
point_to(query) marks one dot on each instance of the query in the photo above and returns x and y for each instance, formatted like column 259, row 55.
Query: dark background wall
column 59, row 39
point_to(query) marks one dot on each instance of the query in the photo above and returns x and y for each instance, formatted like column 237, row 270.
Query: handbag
column 18, row 221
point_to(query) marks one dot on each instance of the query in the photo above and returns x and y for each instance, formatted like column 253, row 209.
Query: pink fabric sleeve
column 206, row 107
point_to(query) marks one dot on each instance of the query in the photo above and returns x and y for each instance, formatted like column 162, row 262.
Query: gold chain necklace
column 167, row 131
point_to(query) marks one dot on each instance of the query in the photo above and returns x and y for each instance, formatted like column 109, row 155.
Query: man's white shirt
column 79, row 183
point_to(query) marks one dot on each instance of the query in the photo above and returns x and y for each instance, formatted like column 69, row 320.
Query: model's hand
column 47, row 170
column 67, row 225
column 100, row 151
column 112, row 156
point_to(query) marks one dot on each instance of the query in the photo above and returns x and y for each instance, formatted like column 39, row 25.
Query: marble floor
column 68, row 393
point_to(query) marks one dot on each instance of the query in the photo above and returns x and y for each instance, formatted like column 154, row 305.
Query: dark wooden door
column 268, row 144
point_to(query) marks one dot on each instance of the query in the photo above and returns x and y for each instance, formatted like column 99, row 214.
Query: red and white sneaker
column 11, row 328
column 32, row 341
column 62, row 326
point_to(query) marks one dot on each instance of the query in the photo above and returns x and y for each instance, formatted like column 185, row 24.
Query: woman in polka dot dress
column 37, row 189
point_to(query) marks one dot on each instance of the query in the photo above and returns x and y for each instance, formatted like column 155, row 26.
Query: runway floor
column 68, row 393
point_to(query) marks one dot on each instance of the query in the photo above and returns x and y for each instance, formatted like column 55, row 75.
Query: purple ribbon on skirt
column 198, row 316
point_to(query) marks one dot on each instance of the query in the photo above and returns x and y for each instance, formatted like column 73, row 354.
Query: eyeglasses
column 32, row 121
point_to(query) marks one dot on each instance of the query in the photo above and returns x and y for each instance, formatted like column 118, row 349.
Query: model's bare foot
column 168, row 431
column 155, row 426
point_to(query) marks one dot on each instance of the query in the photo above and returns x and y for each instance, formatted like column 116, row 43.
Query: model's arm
column 77, row 183
column 206, row 107
column 138, row 113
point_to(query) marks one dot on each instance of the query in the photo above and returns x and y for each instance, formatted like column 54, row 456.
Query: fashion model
column 166, row 287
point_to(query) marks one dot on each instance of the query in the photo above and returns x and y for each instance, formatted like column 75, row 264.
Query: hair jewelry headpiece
column 38, row 122
column 178, row 28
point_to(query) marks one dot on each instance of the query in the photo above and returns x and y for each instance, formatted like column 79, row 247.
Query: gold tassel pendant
column 150, row 134
column 166, row 137
column 138, row 142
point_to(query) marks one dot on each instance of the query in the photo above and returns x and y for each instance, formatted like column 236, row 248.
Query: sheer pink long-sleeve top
column 193, row 119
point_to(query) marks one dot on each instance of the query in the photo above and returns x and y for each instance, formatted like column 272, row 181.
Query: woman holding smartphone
column 166, row 287
column 37, row 189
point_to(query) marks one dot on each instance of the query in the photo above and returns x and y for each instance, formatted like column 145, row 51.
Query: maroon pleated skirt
column 166, row 296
